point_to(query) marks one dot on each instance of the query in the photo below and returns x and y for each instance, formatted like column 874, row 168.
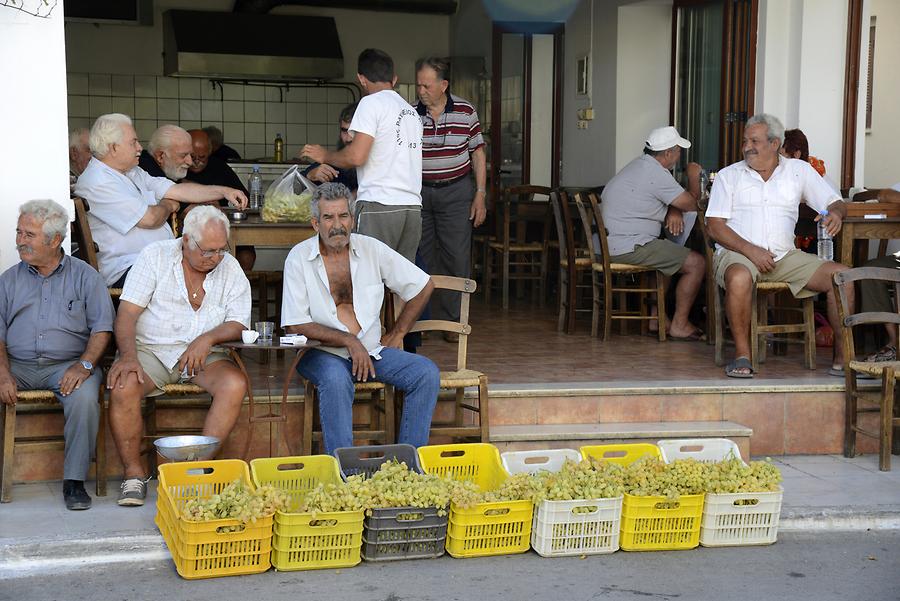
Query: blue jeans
column 417, row 376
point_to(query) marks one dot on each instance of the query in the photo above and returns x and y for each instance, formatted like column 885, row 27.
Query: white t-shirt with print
column 392, row 175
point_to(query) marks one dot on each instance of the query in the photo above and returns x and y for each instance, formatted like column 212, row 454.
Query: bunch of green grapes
column 237, row 501
column 649, row 476
column 519, row 487
column 393, row 485
column 734, row 476
column 588, row 479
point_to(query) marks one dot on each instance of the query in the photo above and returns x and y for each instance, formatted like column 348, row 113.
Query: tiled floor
column 522, row 346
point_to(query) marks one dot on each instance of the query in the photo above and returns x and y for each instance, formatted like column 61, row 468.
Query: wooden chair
column 709, row 282
column 879, row 401
column 462, row 377
column 518, row 258
column 380, row 427
column 43, row 401
column 182, row 396
column 604, row 272
column 575, row 258
column 87, row 247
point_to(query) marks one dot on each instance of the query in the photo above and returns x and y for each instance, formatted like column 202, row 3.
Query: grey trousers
column 875, row 296
column 446, row 245
column 80, row 408
column 398, row 226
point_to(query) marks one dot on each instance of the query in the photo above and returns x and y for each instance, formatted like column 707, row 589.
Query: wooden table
column 855, row 230
column 270, row 417
column 255, row 232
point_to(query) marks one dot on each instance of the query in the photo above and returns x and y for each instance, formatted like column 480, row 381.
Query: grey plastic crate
column 368, row 459
column 389, row 535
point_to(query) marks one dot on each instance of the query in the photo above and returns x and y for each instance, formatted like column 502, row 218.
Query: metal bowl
column 238, row 216
column 187, row 448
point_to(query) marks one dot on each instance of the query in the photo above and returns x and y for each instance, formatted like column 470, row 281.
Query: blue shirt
column 52, row 317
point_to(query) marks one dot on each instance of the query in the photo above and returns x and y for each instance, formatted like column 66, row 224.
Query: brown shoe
column 451, row 337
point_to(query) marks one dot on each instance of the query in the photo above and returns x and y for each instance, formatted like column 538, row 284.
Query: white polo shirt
column 392, row 175
column 373, row 264
column 117, row 202
column 765, row 212
column 169, row 323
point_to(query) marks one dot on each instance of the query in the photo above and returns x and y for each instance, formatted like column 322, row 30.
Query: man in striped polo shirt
column 452, row 150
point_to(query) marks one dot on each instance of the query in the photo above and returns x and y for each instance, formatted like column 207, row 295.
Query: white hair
column 199, row 218
column 55, row 218
column 106, row 131
column 164, row 136
column 76, row 138
column 776, row 129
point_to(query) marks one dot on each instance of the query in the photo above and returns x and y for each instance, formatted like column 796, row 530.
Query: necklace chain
column 197, row 289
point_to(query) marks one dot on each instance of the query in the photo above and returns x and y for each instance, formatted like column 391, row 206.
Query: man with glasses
column 181, row 299
column 453, row 150
column 129, row 208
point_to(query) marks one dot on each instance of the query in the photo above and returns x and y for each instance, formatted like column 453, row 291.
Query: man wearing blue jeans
column 333, row 292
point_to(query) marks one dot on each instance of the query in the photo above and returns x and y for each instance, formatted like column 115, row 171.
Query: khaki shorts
column 795, row 268
column 663, row 255
column 161, row 375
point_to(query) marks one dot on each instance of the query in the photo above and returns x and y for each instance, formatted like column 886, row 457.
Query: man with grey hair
column 79, row 152
column 129, row 209
column 169, row 153
column 333, row 292
column 56, row 319
column 182, row 298
column 752, row 214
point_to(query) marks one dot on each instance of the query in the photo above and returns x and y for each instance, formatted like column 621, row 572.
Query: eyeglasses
column 212, row 252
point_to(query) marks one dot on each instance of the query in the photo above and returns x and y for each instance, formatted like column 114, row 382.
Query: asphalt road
column 814, row 566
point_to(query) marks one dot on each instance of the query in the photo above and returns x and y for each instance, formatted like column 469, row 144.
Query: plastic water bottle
column 826, row 244
column 254, row 186
column 279, row 149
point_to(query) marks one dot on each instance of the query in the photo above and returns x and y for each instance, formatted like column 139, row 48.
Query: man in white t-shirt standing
column 387, row 154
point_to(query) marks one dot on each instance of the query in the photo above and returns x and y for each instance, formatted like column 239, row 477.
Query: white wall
column 34, row 160
column 643, row 75
column 882, row 168
column 127, row 49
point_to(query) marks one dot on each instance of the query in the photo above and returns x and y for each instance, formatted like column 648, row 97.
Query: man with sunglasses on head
column 181, row 299
column 452, row 204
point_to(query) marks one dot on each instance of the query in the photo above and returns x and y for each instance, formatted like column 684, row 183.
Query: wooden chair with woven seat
column 879, row 401
column 575, row 258
column 518, row 258
column 462, row 377
column 182, row 396
column 87, row 247
column 42, row 401
column 604, row 274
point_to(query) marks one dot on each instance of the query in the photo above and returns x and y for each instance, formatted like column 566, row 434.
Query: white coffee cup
column 249, row 336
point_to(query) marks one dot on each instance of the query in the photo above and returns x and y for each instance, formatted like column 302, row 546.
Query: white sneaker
column 132, row 492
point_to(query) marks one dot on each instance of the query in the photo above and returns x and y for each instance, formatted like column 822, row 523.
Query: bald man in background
column 208, row 169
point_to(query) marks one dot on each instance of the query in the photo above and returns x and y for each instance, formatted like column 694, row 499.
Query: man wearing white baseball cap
column 636, row 203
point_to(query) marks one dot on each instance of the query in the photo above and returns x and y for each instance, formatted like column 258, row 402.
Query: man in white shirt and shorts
column 752, row 214
column 387, row 154
column 181, row 299
column 333, row 291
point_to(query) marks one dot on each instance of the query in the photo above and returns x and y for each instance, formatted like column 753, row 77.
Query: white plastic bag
column 287, row 198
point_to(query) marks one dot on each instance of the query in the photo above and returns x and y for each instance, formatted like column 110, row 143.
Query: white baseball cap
column 662, row 138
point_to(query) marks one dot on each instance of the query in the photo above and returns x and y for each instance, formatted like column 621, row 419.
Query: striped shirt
column 447, row 143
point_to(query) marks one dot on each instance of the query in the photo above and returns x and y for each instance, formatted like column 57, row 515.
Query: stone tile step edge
column 618, row 431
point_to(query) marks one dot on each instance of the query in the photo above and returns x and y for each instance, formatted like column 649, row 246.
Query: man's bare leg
column 227, row 386
column 693, row 270
column 822, row 282
column 738, row 287
column 127, row 423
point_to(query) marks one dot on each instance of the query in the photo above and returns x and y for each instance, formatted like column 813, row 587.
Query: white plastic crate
column 727, row 521
column 559, row 529
column 701, row 449
column 531, row 462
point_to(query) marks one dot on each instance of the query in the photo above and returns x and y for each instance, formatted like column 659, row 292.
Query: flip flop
column 696, row 336
column 838, row 372
column 739, row 363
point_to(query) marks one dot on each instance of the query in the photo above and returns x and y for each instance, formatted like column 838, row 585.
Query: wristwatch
column 87, row 365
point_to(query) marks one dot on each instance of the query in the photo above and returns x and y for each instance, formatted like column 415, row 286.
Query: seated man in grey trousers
column 56, row 318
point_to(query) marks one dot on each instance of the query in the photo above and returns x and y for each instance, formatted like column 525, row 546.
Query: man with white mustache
column 128, row 208
column 752, row 214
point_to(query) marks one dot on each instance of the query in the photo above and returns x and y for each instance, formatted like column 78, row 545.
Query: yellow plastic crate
column 659, row 524
column 479, row 463
column 622, row 454
column 490, row 529
column 202, row 549
column 303, row 541
column 327, row 540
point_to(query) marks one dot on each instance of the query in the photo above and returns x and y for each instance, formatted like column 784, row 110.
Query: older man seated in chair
column 333, row 292
column 752, row 214
column 56, row 320
column 181, row 299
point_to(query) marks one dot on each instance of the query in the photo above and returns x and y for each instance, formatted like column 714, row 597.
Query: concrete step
column 557, row 436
